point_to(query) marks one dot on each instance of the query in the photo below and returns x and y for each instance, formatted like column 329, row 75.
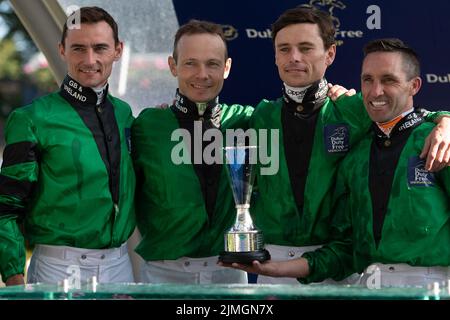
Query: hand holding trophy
column 243, row 242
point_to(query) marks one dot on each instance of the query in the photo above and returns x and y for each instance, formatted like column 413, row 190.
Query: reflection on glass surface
column 147, row 27
column 219, row 292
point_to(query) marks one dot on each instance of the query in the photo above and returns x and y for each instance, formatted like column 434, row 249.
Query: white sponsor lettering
column 75, row 94
column 434, row 78
column 349, row 34
column 253, row 33
column 374, row 20
column 421, row 176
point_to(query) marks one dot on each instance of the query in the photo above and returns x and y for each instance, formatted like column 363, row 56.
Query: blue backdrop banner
column 247, row 23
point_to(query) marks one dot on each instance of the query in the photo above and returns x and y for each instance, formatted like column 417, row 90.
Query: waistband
column 70, row 253
column 288, row 252
column 187, row 264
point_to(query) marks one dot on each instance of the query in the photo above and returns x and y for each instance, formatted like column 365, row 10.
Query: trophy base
column 244, row 257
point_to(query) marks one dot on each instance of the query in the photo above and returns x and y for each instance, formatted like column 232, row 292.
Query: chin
column 202, row 98
column 296, row 83
column 90, row 81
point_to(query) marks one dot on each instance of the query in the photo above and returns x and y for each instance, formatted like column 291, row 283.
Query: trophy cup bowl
column 244, row 243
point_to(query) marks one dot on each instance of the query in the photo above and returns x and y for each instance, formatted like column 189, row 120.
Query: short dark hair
column 94, row 15
column 198, row 27
column 410, row 57
column 307, row 14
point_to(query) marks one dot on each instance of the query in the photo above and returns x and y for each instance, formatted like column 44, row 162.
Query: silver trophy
column 243, row 242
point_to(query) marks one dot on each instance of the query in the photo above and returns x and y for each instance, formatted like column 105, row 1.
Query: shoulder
column 235, row 115
column 267, row 107
column 421, row 132
column 153, row 117
column 236, row 108
column 37, row 108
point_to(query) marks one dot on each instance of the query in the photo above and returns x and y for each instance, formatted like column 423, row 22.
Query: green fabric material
column 170, row 208
column 416, row 228
column 433, row 116
column 71, row 203
column 24, row 171
column 275, row 211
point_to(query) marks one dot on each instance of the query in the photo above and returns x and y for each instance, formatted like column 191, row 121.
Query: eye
column 389, row 80
column 100, row 48
column 213, row 64
column 306, row 49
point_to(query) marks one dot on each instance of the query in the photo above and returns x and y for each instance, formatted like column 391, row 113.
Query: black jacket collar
column 314, row 98
column 186, row 109
column 407, row 123
column 77, row 95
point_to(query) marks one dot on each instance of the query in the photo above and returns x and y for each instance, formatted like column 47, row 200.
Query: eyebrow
column 304, row 43
column 390, row 75
column 77, row 45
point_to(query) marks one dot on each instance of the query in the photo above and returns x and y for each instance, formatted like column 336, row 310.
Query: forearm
column 296, row 268
column 12, row 248
column 331, row 261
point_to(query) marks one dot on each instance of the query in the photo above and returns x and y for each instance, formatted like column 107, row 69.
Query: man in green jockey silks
column 67, row 179
column 184, row 203
column 392, row 221
column 294, row 207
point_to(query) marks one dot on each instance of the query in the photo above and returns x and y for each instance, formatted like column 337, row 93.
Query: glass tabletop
column 219, row 292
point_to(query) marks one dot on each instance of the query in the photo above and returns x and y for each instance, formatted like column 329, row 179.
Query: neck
column 387, row 126
column 295, row 93
column 186, row 105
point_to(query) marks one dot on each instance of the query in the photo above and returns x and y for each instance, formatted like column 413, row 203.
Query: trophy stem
column 244, row 220
column 243, row 242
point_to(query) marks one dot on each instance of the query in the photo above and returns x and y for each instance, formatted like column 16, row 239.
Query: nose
column 296, row 55
column 202, row 71
column 376, row 89
column 90, row 57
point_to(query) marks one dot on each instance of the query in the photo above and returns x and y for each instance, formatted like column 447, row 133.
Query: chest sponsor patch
column 417, row 175
column 337, row 137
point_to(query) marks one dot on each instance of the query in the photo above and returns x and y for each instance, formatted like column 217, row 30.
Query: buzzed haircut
column 91, row 15
column 307, row 14
column 198, row 27
column 410, row 57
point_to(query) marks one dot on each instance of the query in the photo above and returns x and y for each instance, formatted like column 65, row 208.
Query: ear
column 227, row 69
column 415, row 85
column 172, row 66
column 62, row 51
column 330, row 55
column 118, row 51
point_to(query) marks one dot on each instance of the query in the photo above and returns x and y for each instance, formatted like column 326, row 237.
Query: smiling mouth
column 378, row 104
column 201, row 87
column 89, row 71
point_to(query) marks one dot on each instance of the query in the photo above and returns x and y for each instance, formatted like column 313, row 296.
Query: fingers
column 441, row 158
column 431, row 157
column 335, row 91
column 436, row 149
column 446, row 159
column 255, row 267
